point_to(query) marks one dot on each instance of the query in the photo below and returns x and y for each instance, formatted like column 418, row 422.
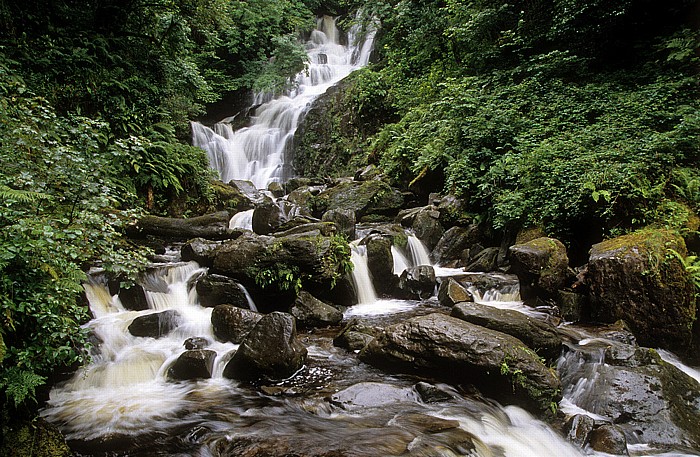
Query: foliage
column 337, row 259
column 691, row 264
column 281, row 276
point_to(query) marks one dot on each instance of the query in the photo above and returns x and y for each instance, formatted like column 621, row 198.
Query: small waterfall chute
column 361, row 278
column 419, row 253
column 243, row 219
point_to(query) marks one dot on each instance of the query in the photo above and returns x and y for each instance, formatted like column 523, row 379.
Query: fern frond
column 22, row 196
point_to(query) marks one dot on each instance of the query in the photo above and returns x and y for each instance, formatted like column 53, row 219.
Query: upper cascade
column 259, row 153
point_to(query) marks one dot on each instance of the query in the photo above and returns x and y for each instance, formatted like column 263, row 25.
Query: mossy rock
column 541, row 265
column 35, row 439
column 638, row 279
column 368, row 197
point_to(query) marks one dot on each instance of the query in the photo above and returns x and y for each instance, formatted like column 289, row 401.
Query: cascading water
column 419, row 253
column 259, row 153
column 360, row 275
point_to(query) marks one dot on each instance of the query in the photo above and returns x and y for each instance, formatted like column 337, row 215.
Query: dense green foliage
column 562, row 114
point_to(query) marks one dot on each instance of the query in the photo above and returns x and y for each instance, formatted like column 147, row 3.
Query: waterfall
column 243, row 220
column 419, row 253
column 251, row 303
column 400, row 260
column 360, row 275
column 673, row 359
column 259, row 153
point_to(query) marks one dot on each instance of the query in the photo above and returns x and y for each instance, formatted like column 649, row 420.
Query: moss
column 35, row 439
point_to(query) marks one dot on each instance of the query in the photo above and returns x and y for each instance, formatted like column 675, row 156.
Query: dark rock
column 451, row 292
column 307, row 228
column 355, row 335
column 270, row 350
column 445, row 347
column 295, row 183
column 303, row 197
column 368, row 197
column 418, row 282
column 133, row 298
column 216, row 289
column 634, row 278
column 430, row 393
column 249, row 192
column 452, row 210
column 196, row 342
column 537, row 335
column 578, row 428
column 37, row 438
column 426, row 225
column 368, row 173
column 200, row 250
column 232, row 323
column 276, row 189
column 343, row 219
column 484, row 261
column 573, row 306
column 380, row 262
column 155, row 325
column 311, row 312
column 268, row 217
column 211, row 226
column 372, row 395
column 453, row 242
column 609, row 439
column 542, row 267
column 193, row 364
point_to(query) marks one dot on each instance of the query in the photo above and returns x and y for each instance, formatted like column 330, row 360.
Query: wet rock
column 216, row 289
column 453, row 350
column 210, row 226
column 303, row 197
column 155, row 325
column 634, row 278
column 268, row 217
column 200, row 250
column 426, row 225
column 36, row 439
column 452, row 210
column 312, row 312
column 608, row 438
column 367, row 197
column 133, row 298
column 355, row 335
column 308, row 228
column 451, row 292
column 193, row 364
column 541, row 265
column 380, row 262
column 418, row 282
column 196, row 342
column 276, row 189
column 578, row 428
column 453, row 242
column 484, row 261
column 270, row 351
column 430, row 393
column 572, row 306
column 249, row 193
column 536, row 334
column 372, row 395
column 343, row 219
column 368, row 173
column 232, row 323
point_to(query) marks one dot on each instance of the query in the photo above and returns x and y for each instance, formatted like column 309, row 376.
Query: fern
column 692, row 267
column 20, row 385
column 21, row 196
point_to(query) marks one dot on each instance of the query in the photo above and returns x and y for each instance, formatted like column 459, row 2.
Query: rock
column 196, row 342
column 303, row 197
column 368, row 173
column 307, row 228
column 573, row 306
column 343, row 219
column 372, row 395
column 232, row 323
column 268, row 217
column 276, row 189
column 133, row 298
column 634, row 278
column 537, row 335
column 418, row 282
column 484, row 261
column 541, row 265
column 367, row 197
column 452, row 210
column 355, row 335
column 249, row 192
column 270, row 351
column 380, row 262
column 440, row 346
column 216, row 289
column 155, row 325
column 651, row 401
column 430, row 393
column 453, row 242
column 193, row 364
column 451, row 292
column 426, row 225
column 211, row 226
column 36, row 439
column 578, row 428
column 200, row 250
column 609, row 439
column 311, row 312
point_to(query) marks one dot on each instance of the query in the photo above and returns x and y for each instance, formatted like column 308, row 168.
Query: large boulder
column 541, row 265
column 449, row 349
column 193, row 364
column 155, row 325
column 364, row 198
column 448, row 250
column 37, row 438
column 636, row 278
column 200, row 250
column 452, row 292
column 418, row 282
column 536, row 334
column 355, row 335
column 312, row 312
column 210, row 226
column 268, row 217
column 380, row 262
column 232, row 323
column 271, row 350
column 216, row 289
column 250, row 194
column 427, row 227
column 133, row 298
column 483, row 261
column 344, row 219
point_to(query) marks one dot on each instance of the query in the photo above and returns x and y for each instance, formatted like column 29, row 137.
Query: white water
column 673, row 359
column 243, row 220
column 400, row 260
column 361, row 279
column 259, row 153
column 418, row 251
